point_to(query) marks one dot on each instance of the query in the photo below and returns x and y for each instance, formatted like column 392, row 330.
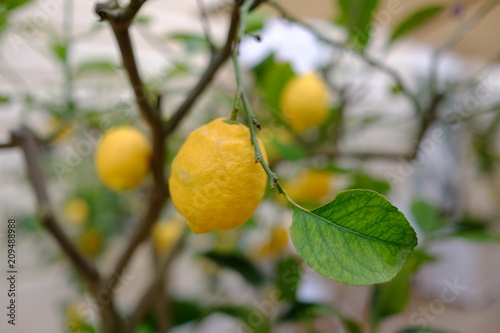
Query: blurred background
column 60, row 74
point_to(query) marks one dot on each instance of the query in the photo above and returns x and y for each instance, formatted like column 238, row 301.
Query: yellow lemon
column 166, row 233
column 90, row 242
column 76, row 211
column 277, row 243
column 122, row 158
column 310, row 188
column 215, row 182
column 304, row 102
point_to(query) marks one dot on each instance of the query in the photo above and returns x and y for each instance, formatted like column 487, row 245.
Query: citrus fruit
column 76, row 211
column 310, row 188
column 215, row 182
column 90, row 242
column 304, row 102
column 122, row 158
column 166, row 233
column 276, row 244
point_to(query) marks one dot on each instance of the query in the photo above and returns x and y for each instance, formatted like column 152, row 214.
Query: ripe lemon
column 166, row 233
column 310, row 188
column 122, row 158
column 215, row 182
column 304, row 102
column 76, row 211
column 276, row 244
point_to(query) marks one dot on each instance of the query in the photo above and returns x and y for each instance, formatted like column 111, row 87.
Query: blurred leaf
column 238, row 263
column 176, row 70
column 302, row 311
column 4, row 98
column 60, row 50
column 427, row 216
column 98, row 66
column 291, row 152
column 356, row 16
column 13, row 4
column 422, row 330
column 143, row 19
column 274, row 80
column 391, row 298
column 365, row 181
column 255, row 21
column 184, row 311
column 288, row 274
column 254, row 319
column 192, row 42
column 475, row 230
column 359, row 238
column 416, row 20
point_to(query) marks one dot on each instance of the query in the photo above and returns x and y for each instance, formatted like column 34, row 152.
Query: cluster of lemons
column 215, row 183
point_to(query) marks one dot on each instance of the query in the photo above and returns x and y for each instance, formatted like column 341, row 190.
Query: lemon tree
column 215, row 183
column 122, row 158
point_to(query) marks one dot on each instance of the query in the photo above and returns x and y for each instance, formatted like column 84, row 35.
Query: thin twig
column 206, row 25
column 151, row 296
column 216, row 61
column 341, row 46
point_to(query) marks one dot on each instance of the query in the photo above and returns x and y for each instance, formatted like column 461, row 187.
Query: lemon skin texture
column 122, row 158
column 215, row 182
column 304, row 102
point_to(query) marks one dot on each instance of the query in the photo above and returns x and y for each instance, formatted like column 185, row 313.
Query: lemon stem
column 282, row 191
column 241, row 94
column 236, row 105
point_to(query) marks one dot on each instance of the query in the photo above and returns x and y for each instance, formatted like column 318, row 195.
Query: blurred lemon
column 76, row 211
column 304, row 102
column 215, row 182
column 276, row 244
column 310, row 188
column 60, row 131
column 90, row 242
column 166, row 233
column 122, row 158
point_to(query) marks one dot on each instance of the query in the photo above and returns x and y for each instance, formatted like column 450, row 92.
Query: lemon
column 166, row 233
column 215, row 182
column 122, row 158
column 304, row 102
column 310, row 188
column 90, row 242
column 76, row 211
column 276, row 244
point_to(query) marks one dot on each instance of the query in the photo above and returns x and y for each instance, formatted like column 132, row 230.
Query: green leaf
column 416, row 20
column 184, row 311
column 13, row 4
column 192, row 42
column 60, row 50
column 359, row 238
column 4, row 99
column 288, row 273
column 422, row 330
column 254, row 319
column 303, row 312
column 274, row 81
column 238, row 263
column 427, row 216
column 255, row 21
column 365, row 181
column 100, row 66
column 356, row 16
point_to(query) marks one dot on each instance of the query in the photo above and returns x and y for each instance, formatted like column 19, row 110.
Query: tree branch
column 28, row 143
column 152, row 296
column 216, row 61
